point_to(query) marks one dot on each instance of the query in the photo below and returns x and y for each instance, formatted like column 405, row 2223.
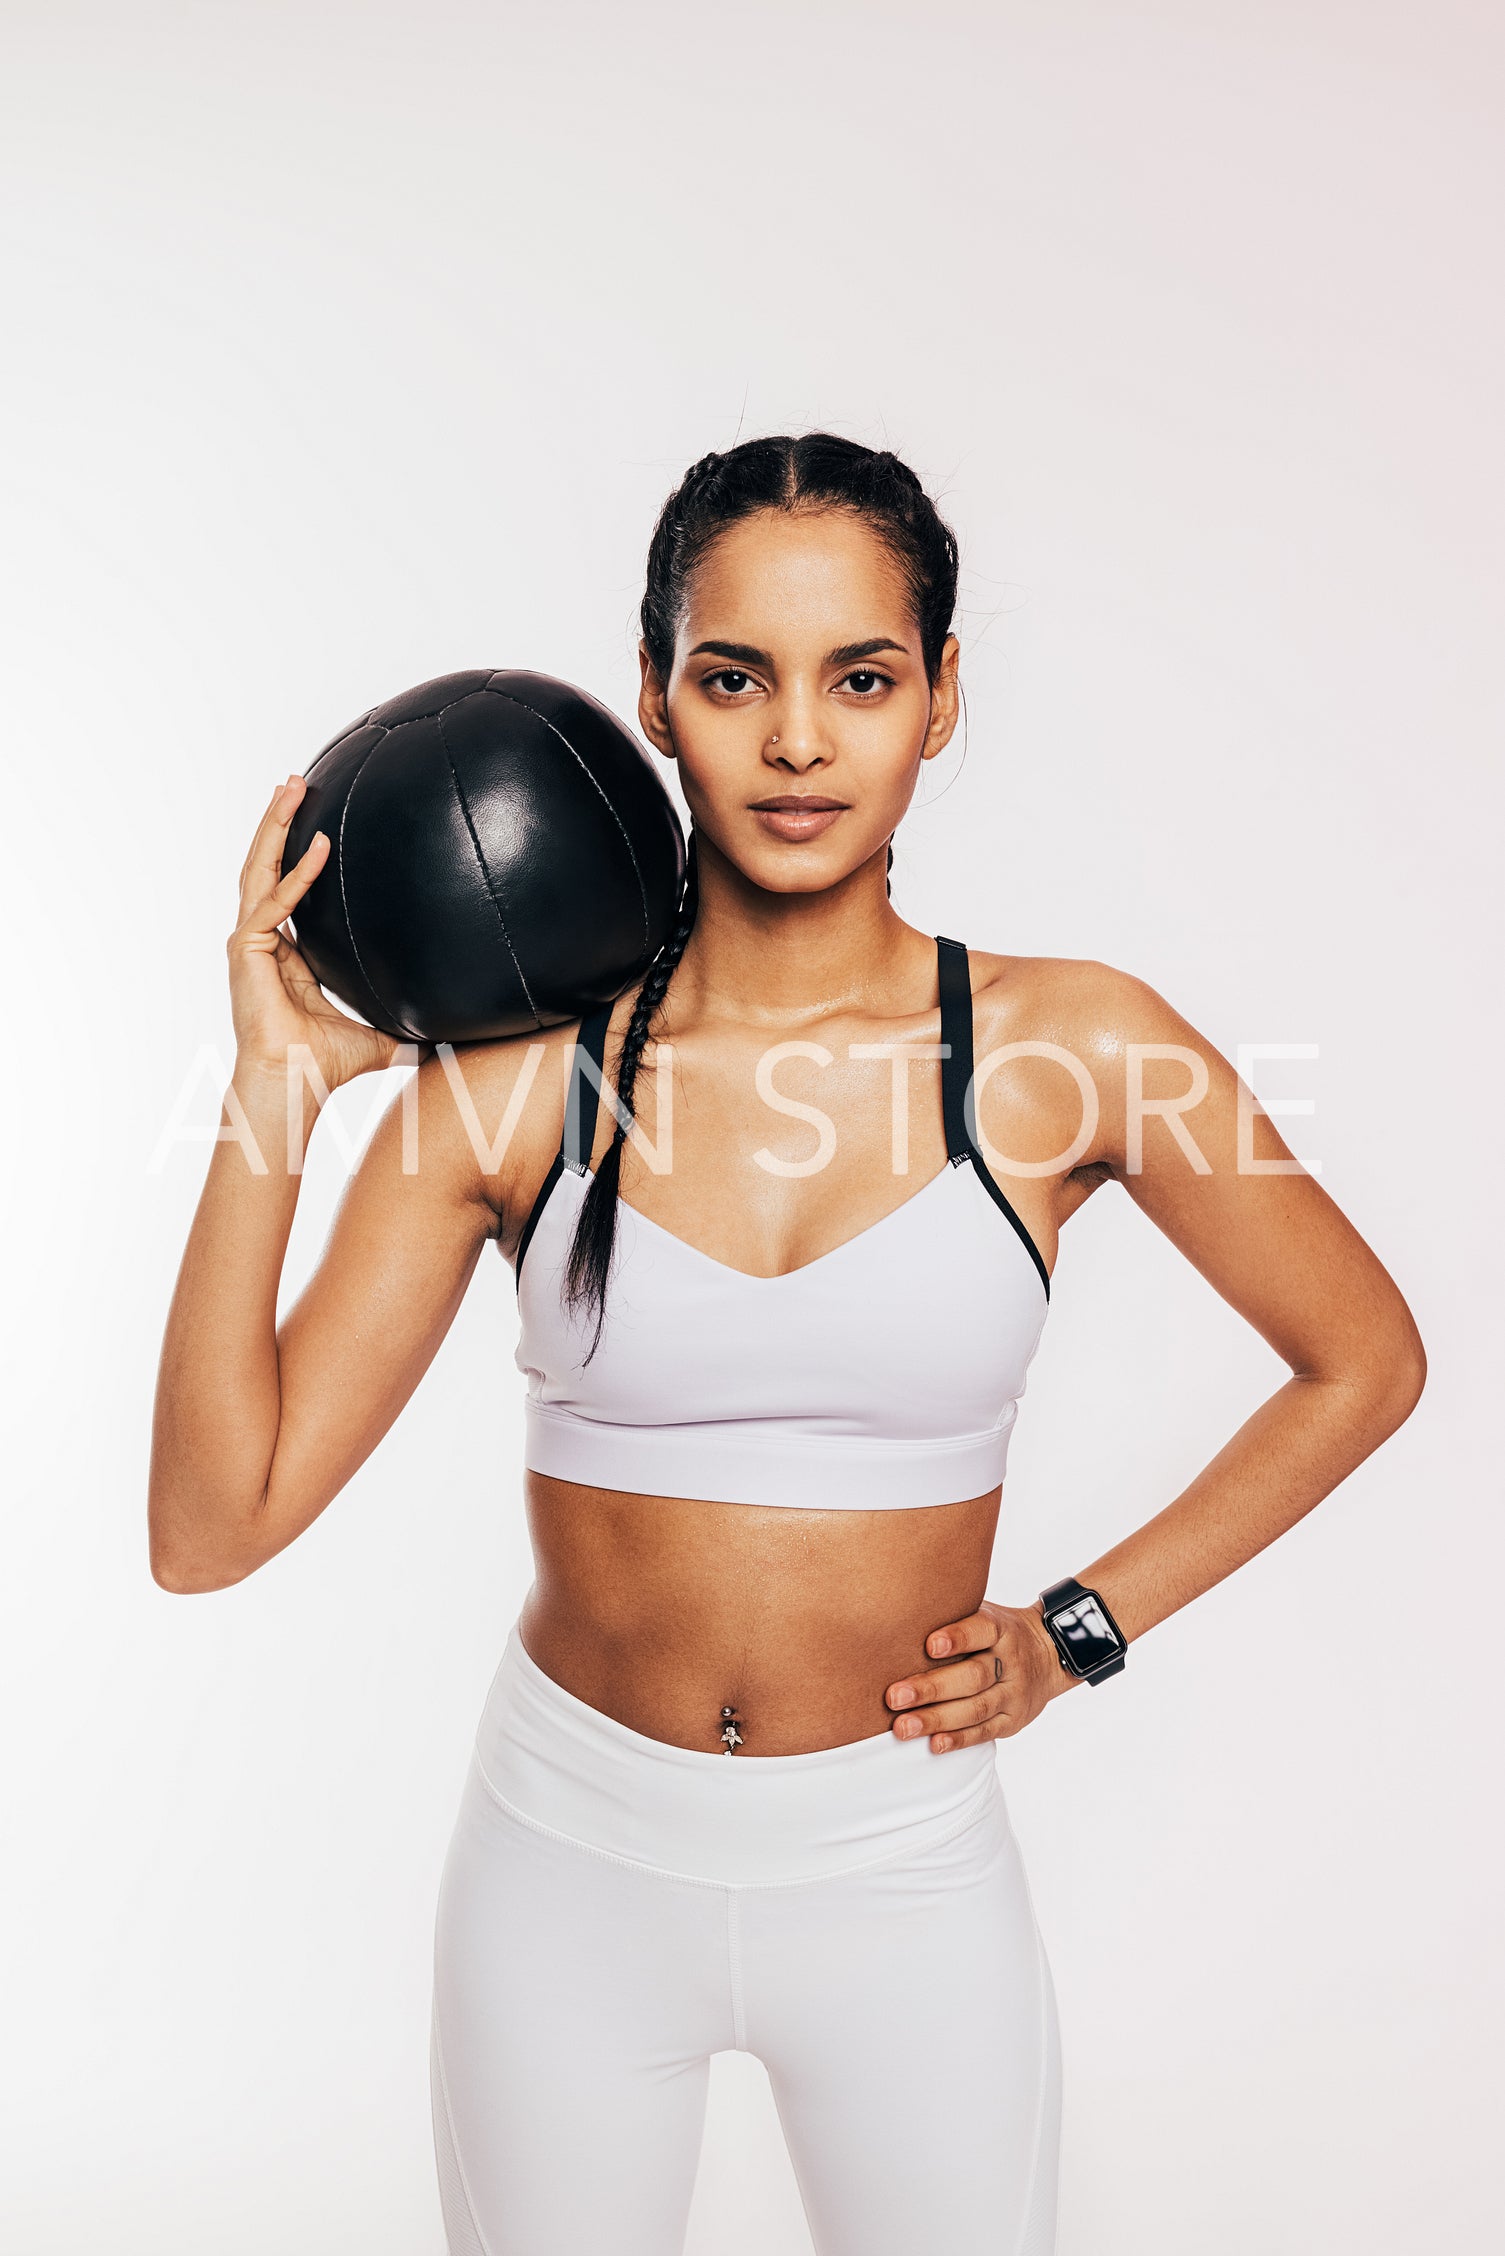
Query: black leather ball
column 502, row 857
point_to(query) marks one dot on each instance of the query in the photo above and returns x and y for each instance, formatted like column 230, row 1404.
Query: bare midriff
column 664, row 1612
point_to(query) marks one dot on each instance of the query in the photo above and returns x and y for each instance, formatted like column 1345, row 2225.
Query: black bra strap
column 581, row 1104
column 955, row 974
column 583, row 1101
column 958, row 1101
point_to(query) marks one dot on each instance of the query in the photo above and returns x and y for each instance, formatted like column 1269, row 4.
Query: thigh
column 907, row 2021
column 576, row 2001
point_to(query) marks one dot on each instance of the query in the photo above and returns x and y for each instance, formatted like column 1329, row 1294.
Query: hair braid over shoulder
column 588, row 1268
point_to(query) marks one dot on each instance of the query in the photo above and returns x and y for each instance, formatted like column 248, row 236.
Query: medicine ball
column 502, row 857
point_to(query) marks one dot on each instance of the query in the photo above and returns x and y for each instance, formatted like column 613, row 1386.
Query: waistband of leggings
column 735, row 1819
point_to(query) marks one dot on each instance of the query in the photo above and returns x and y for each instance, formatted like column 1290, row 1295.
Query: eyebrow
column 743, row 652
column 850, row 652
column 846, row 654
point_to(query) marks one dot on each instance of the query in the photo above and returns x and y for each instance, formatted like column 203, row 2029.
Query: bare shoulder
column 1087, row 1046
column 1094, row 1008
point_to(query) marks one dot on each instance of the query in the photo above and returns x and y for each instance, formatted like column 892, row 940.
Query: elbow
column 1408, row 1361
column 188, row 1559
column 1399, row 1377
column 192, row 1578
column 1410, row 1377
column 1376, row 1387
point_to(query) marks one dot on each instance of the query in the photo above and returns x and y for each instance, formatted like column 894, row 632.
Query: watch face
column 1081, row 1627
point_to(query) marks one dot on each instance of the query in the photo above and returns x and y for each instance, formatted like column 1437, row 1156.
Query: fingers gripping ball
column 502, row 857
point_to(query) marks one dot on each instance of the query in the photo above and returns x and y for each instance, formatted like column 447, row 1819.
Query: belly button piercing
column 731, row 1736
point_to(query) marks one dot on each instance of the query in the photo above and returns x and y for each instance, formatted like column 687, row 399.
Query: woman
column 779, row 1296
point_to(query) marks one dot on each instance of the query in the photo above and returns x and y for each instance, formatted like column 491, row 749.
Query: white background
column 350, row 344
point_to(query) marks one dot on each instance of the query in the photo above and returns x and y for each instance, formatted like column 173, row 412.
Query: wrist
column 1053, row 1674
column 271, row 1076
column 275, row 1101
column 1090, row 1646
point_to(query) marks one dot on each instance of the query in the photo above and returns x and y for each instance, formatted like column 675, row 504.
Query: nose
column 796, row 743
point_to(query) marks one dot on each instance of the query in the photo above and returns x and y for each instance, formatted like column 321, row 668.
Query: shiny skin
column 816, row 1627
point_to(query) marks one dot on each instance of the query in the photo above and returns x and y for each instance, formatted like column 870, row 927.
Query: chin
column 793, row 867
column 798, row 870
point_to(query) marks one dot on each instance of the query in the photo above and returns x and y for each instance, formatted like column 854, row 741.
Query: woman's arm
column 1277, row 1249
column 256, row 1430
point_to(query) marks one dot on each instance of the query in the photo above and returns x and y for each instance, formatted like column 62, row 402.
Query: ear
column 653, row 707
column 945, row 701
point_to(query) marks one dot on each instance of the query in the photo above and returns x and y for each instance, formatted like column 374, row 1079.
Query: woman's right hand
column 275, row 1000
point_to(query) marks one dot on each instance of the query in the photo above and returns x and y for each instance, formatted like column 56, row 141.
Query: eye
column 731, row 681
column 866, row 681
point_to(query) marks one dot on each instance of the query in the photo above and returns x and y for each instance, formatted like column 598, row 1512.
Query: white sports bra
column 882, row 1375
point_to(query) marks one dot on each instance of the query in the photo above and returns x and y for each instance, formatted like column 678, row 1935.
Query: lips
column 798, row 815
column 794, row 802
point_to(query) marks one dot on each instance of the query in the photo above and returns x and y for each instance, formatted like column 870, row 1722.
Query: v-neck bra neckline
column 958, row 1111
column 778, row 1276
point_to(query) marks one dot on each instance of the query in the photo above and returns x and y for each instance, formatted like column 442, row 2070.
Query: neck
column 781, row 957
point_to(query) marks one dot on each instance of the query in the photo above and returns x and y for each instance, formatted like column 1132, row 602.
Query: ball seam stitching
column 371, row 987
column 595, row 781
column 481, row 861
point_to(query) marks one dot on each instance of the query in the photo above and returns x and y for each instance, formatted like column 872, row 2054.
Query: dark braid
column 817, row 471
column 589, row 1265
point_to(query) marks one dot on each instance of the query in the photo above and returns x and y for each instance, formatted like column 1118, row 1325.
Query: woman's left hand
column 1004, row 1670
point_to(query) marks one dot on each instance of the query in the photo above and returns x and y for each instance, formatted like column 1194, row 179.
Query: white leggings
column 615, row 1910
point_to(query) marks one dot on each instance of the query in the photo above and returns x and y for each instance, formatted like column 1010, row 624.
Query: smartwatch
column 1087, row 1639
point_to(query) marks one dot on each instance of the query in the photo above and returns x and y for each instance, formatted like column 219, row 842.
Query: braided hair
column 817, row 471
column 588, row 1267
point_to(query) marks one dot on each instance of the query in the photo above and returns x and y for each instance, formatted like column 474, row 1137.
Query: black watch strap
column 1066, row 1593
